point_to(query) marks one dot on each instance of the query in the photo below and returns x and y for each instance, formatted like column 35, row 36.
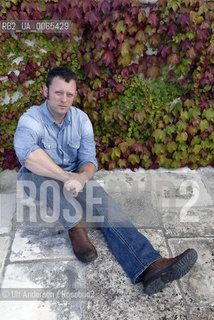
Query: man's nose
column 63, row 97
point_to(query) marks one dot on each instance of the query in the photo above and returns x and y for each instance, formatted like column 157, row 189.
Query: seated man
column 55, row 143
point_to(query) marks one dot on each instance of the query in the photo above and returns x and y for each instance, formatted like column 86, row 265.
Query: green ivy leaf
column 196, row 140
column 211, row 136
column 114, row 153
column 120, row 27
column 170, row 129
column 138, row 49
column 133, row 159
column 158, row 149
column 180, row 125
column 175, row 164
column 165, row 162
column 171, row 146
column 197, row 148
column 204, row 124
column 125, row 49
column 159, row 135
column 183, row 136
column 184, row 116
column 209, row 114
column 194, row 113
column 122, row 163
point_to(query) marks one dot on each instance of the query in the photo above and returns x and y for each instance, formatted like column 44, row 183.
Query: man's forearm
column 87, row 170
column 40, row 163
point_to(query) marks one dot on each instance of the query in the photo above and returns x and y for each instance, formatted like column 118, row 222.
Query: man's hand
column 75, row 183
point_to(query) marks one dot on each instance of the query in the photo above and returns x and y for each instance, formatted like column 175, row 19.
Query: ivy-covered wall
column 146, row 76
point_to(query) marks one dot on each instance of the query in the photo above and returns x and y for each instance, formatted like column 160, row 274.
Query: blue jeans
column 133, row 250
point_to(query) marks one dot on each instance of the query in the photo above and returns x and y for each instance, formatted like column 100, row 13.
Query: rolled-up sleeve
column 26, row 137
column 87, row 150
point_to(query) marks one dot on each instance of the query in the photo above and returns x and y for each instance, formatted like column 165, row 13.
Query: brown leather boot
column 165, row 270
column 83, row 248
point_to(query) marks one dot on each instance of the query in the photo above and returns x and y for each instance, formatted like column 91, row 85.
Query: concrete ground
column 41, row 279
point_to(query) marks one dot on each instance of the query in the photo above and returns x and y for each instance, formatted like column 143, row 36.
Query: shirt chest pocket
column 50, row 147
column 73, row 150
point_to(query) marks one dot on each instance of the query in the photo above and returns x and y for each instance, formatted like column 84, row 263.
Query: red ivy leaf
column 86, row 5
column 92, row 70
column 185, row 45
column 23, row 16
column 100, row 45
column 138, row 148
column 108, row 58
column 12, row 15
column 184, row 19
column 163, row 28
column 125, row 73
column 28, row 7
column 111, row 83
column 116, row 4
column 134, row 12
column 128, row 21
column 36, row 15
column 164, row 51
column 199, row 46
column 92, row 17
column 12, row 76
column 161, row 3
column 104, row 6
column 112, row 44
column 153, row 20
column 153, row 72
column 22, row 76
column 75, row 15
column 120, row 87
column 191, row 53
column 173, row 30
column 173, row 59
column 202, row 34
column 205, row 25
column 84, row 89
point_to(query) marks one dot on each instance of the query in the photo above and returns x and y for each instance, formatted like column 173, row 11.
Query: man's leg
column 133, row 251
column 50, row 192
column 66, row 208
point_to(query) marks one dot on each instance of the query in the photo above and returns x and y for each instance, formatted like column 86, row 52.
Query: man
column 55, row 143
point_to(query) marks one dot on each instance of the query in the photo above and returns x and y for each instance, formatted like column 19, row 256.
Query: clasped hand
column 75, row 183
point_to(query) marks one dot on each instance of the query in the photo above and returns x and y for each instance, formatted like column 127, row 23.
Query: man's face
column 60, row 95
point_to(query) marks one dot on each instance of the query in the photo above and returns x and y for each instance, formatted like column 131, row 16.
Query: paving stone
column 191, row 222
column 7, row 210
column 54, row 284
column 8, row 180
column 201, row 313
column 36, row 242
column 4, row 244
column 207, row 175
column 198, row 284
column 179, row 189
column 132, row 192
column 115, row 297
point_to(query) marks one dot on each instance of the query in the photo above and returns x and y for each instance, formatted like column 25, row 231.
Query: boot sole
column 177, row 270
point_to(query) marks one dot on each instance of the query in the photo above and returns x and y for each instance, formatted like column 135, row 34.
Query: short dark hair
column 62, row 72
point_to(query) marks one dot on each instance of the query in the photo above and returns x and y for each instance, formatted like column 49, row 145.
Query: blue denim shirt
column 70, row 144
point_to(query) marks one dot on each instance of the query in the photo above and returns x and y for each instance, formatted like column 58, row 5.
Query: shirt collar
column 50, row 120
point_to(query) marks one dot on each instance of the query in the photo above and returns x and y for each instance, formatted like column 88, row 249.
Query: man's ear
column 45, row 91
